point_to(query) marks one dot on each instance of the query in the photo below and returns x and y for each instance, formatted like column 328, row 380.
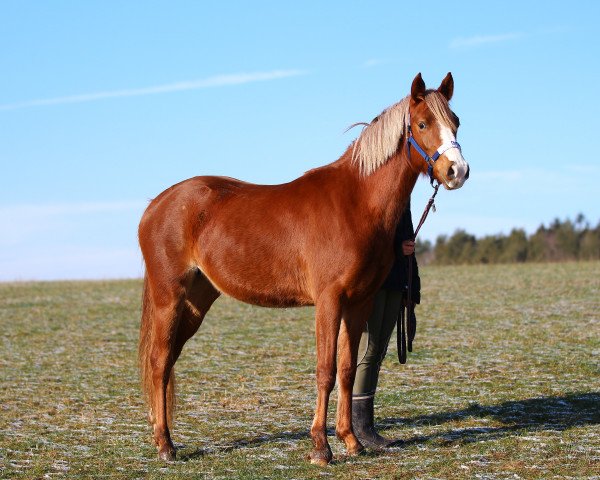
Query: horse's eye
column 421, row 125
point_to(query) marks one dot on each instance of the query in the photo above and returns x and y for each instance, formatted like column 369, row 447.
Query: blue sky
column 105, row 104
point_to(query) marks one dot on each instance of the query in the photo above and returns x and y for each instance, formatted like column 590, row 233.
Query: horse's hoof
column 320, row 462
column 321, row 457
column 167, row 455
column 357, row 450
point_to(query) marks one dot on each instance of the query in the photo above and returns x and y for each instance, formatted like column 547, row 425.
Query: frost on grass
column 503, row 383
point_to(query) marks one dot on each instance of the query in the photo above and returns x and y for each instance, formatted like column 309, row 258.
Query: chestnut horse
column 324, row 239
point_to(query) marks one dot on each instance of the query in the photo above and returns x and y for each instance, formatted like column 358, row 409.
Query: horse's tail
column 144, row 347
column 144, row 360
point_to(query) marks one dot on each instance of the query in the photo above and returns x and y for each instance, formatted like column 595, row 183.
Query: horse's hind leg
column 164, row 329
column 168, row 299
column 173, row 327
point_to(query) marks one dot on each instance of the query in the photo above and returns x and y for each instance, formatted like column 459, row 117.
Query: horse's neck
column 388, row 189
column 385, row 191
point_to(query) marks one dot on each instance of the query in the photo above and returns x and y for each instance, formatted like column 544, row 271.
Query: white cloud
column 215, row 81
column 478, row 40
column 496, row 201
column 585, row 169
column 11, row 211
column 503, row 175
column 539, row 181
column 73, row 263
column 374, row 62
column 70, row 240
column 26, row 223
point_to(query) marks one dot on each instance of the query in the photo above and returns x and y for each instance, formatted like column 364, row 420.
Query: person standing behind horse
column 389, row 300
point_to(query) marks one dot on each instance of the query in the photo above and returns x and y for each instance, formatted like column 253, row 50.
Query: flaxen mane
column 382, row 137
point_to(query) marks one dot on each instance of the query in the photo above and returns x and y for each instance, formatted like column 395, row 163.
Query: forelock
column 438, row 105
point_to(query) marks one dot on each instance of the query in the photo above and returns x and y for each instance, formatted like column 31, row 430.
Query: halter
column 430, row 160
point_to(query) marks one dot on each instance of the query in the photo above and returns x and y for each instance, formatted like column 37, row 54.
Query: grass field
column 504, row 382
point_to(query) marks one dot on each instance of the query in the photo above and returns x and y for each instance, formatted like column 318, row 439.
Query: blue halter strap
column 430, row 160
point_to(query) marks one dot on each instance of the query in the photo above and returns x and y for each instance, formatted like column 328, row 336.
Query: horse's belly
column 270, row 299
column 262, row 278
column 256, row 289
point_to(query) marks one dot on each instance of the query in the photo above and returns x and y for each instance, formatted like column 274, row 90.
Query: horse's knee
column 346, row 373
column 325, row 379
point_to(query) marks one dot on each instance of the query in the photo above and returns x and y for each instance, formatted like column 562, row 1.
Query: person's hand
column 408, row 247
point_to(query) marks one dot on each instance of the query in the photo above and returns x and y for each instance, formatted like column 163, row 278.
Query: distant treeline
column 560, row 241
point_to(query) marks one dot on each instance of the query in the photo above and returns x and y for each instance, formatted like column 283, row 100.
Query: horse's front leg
column 354, row 319
column 327, row 318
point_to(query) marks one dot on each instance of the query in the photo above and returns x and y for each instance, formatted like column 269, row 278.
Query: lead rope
column 407, row 321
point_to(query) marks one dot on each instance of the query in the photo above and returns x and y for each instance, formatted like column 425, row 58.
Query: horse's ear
column 447, row 86
column 417, row 91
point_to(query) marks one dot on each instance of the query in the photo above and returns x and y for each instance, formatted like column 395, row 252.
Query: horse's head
column 432, row 134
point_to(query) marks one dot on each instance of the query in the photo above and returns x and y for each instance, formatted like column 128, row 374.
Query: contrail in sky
column 215, row 81
column 483, row 39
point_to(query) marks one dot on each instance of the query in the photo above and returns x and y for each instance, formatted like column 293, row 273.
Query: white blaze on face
column 460, row 165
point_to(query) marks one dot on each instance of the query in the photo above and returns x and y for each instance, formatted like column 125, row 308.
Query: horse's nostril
column 450, row 173
column 467, row 174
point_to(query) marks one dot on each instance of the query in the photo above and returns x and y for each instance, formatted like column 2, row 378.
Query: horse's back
column 270, row 245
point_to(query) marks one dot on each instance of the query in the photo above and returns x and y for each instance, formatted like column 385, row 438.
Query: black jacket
column 398, row 276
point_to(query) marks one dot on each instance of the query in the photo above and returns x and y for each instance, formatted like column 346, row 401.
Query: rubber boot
column 363, row 424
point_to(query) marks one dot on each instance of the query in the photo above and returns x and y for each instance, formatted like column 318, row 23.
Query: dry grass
column 504, row 383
